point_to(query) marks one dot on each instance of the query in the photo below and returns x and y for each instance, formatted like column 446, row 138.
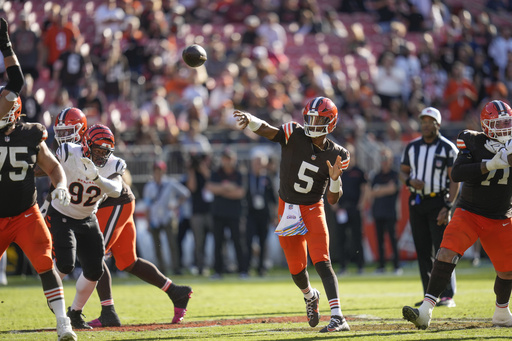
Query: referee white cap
column 432, row 112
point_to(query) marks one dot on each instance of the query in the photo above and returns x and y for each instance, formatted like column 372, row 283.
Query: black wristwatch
column 448, row 205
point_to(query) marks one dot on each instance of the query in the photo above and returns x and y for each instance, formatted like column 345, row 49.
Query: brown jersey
column 304, row 174
column 489, row 194
column 18, row 156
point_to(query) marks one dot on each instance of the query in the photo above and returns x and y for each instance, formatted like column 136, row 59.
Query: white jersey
column 85, row 194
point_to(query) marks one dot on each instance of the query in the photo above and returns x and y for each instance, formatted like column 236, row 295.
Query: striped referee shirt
column 429, row 162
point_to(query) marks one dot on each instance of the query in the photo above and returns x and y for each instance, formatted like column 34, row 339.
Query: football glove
column 89, row 170
column 61, row 193
column 497, row 161
column 5, row 42
column 508, row 147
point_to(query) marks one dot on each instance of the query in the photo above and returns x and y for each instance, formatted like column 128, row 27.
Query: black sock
column 326, row 273
column 440, row 277
column 148, row 272
column 502, row 289
column 301, row 279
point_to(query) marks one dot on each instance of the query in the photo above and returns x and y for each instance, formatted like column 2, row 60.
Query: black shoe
column 179, row 295
column 76, row 319
column 108, row 318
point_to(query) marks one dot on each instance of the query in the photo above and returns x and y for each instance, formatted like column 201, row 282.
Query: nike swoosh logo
column 312, row 208
column 505, row 224
column 28, row 215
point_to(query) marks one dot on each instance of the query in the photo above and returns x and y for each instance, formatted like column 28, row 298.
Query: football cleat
column 106, row 319
column 179, row 295
column 337, row 324
column 76, row 319
column 64, row 330
column 502, row 317
column 312, row 311
column 420, row 320
column 446, row 302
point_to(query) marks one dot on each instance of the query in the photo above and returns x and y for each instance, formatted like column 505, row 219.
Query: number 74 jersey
column 85, row 194
column 488, row 194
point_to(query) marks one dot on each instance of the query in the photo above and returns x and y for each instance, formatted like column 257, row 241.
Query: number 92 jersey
column 18, row 156
column 489, row 194
column 85, row 194
column 304, row 173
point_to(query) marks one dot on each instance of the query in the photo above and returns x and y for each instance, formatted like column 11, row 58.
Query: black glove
column 5, row 42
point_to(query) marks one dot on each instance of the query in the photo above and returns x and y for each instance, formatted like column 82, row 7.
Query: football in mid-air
column 194, row 55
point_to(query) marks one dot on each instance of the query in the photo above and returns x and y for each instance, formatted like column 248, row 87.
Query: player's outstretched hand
column 61, row 193
column 89, row 169
column 242, row 119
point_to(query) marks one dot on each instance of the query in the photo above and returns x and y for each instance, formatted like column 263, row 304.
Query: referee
column 425, row 168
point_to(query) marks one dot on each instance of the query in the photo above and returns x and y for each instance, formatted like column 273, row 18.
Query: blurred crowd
column 380, row 61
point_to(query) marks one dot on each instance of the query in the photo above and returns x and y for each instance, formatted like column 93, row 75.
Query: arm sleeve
column 465, row 169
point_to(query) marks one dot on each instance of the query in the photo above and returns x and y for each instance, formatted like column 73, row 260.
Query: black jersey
column 18, row 156
column 304, row 173
column 489, row 194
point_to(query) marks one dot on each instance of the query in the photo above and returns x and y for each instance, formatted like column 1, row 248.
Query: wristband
column 335, row 185
column 448, row 205
column 7, row 50
column 254, row 122
column 61, row 185
column 11, row 96
column 408, row 182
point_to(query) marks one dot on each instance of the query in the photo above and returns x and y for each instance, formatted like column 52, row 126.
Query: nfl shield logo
column 313, row 157
column 439, row 163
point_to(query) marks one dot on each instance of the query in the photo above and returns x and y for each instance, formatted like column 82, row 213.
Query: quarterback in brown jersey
column 22, row 146
column 310, row 162
column 484, row 211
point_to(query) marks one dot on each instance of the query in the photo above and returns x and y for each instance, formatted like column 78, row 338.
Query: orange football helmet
column 70, row 126
column 320, row 117
column 496, row 120
column 12, row 116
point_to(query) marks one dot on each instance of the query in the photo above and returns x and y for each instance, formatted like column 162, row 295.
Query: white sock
column 58, row 307
column 308, row 293
column 502, row 311
column 84, row 290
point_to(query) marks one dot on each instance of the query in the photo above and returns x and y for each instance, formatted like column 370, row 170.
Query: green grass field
column 253, row 309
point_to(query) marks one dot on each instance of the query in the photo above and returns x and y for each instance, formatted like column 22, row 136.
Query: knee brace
column 65, row 268
column 94, row 275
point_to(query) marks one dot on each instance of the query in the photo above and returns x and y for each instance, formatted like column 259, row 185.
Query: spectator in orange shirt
column 459, row 94
column 58, row 38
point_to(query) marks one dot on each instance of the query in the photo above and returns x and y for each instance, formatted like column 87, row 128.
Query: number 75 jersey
column 488, row 194
column 85, row 194
column 18, row 155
